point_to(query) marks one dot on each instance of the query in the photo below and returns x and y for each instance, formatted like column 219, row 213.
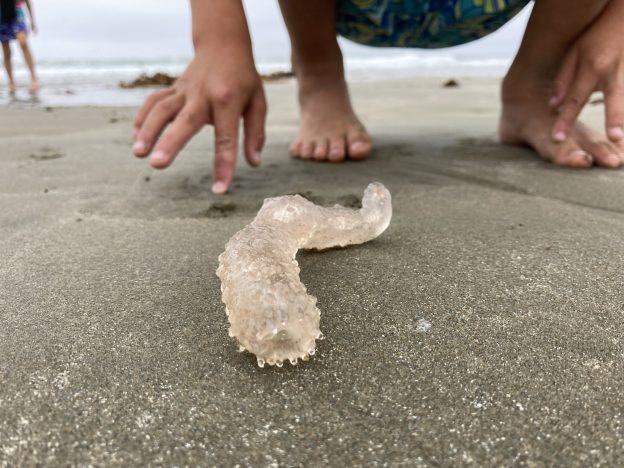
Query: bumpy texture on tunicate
column 269, row 310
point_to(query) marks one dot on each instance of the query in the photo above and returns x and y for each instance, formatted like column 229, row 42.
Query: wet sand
column 113, row 339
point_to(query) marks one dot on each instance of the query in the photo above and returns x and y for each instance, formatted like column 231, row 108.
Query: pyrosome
column 268, row 307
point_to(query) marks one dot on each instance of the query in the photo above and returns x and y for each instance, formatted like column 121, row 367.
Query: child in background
column 566, row 54
column 17, row 28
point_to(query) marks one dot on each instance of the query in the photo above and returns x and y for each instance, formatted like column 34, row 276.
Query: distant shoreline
column 103, row 90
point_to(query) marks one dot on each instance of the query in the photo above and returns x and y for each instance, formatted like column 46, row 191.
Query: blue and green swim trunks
column 427, row 24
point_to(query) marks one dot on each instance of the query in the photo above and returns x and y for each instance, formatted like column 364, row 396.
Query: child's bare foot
column 527, row 119
column 330, row 130
column 34, row 87
column 12, row 90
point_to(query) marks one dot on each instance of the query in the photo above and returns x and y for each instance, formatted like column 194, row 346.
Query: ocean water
column 83, row 64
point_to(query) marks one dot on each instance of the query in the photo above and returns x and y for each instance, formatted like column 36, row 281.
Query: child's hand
column 594, row 63
column 213, row 90
column 217, row 88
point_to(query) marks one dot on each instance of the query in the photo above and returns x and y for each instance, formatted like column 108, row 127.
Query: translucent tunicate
column 269, row 310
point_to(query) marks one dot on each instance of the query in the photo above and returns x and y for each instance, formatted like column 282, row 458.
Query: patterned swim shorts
column 427, row 24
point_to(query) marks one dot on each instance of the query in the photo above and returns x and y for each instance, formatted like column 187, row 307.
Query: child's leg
column 329, row 129
column 6, row 50
column 526, row 117
column 23, row 42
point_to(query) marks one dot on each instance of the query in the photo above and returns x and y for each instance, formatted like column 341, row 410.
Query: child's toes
column 337, row 151
column 307, row 150
column 570, row 155
column 605, row 154
column 295, row 149
column 321, row 150
column 620, row 150
column 359, row 145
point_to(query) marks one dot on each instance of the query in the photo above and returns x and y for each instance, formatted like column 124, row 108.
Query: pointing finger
column 226, row 124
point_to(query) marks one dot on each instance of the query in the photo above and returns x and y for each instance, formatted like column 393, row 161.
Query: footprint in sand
column 46, row 154
column 219, row 210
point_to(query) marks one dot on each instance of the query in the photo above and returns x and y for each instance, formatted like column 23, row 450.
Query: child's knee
column 22, row 41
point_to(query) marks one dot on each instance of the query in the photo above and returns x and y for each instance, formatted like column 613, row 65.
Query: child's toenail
column 616, row 132
column 613, row 160
column 219, row 188
column 588, row 159
column 357, row 146
column 257, row 158
column 139, row 147
column 159, row 158
column 559, row 136
column 579, row 154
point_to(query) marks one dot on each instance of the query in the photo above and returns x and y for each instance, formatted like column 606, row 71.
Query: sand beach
column 483, row 328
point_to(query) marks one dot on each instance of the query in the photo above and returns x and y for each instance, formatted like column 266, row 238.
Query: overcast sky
column 124, row 28
column 104, row 29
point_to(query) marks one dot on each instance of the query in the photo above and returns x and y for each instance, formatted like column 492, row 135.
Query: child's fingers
column 564, row 78
column 614, row 108
column 572, row 105
column 147, row 106
column 226, row 123
column 254, row 119
column 187, row 123
column 161, row 114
